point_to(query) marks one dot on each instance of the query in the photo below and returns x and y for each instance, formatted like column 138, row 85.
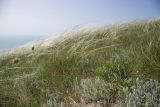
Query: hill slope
column 109, row 66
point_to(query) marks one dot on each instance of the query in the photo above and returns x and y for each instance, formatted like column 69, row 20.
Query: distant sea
column 10, row 42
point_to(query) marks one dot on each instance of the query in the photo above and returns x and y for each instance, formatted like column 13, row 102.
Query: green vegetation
column 101, row 65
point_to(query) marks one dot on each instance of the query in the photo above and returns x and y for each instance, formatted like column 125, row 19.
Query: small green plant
column 33, row 48
column 16, row 60
column 111, row 72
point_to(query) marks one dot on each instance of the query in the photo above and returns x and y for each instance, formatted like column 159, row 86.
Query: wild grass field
column 109, row 66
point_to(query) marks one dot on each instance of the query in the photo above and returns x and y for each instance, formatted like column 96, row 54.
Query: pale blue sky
column 46, row 17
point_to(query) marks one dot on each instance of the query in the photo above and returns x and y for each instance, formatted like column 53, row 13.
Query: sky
column 46, row 17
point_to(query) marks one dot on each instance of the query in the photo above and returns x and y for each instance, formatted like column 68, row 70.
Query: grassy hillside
column 107, row 66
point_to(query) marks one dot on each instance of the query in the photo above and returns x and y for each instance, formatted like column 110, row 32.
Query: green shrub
column 97, row 89
column 142, row 94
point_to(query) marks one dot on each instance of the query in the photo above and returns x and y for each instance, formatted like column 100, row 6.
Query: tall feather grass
column 81, row 66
